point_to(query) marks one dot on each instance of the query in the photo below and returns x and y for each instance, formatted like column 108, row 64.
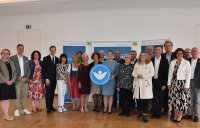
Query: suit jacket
column 49, row 68
column 162, row 71
column 17, row 66
column 4, row 73
column 196, row 73
column 135, row 61
column 183, row 72
column 173, row 56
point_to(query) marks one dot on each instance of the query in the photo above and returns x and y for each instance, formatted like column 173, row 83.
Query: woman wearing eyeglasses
column 7, row 82
column 179, row 83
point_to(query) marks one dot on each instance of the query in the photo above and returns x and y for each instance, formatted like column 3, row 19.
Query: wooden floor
column 76, row 119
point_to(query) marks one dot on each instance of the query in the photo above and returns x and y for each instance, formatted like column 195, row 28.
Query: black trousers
column 157, row 101
column 115, row 100
column 166, row 101
column 125, row 100
column 143, row 105
column 49, row 96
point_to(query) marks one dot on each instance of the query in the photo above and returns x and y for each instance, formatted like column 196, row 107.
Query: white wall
column 105, row 25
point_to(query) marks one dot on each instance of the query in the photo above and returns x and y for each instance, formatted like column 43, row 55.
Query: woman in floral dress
column 36, row 88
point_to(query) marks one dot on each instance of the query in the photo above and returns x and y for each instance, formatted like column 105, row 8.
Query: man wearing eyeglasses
column 169, row 55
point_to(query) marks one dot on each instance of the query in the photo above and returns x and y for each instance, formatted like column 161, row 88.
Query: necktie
column 53, row 60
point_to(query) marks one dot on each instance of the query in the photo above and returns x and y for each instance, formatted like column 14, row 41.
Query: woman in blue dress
column 108, row 89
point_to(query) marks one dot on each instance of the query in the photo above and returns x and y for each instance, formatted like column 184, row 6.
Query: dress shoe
column 127, row 114
column 172, row 116
column 121, row 114
column 140, row 115
column 98, row 110
column 196, row 119
column 53, row 109
column 144, row 119
column 154, row 116
column 187, row 117
column 48, row 111
column 164, row 113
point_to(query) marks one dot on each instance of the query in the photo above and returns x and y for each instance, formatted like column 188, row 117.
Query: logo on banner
column 100, row 74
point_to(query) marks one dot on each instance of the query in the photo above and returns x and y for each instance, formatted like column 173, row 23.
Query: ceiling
column 27, row 7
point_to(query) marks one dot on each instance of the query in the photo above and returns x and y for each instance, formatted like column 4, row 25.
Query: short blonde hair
column 74, row 56
column 5, row 50
column 147, row 60
column 128, row 55
column 84, row 54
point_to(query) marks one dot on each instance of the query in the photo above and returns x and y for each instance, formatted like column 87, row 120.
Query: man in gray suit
column 193, row 109
column 23, row 71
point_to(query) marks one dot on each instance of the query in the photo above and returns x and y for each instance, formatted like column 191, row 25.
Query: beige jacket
column 4, row 74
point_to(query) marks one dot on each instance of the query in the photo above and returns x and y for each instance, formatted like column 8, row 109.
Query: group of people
column 158, row 80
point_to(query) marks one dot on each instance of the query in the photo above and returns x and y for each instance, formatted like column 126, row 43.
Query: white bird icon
column 99, row 75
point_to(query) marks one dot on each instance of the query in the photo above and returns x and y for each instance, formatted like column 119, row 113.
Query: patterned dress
column 179, row 98
column 36, row 88
column 95, row 89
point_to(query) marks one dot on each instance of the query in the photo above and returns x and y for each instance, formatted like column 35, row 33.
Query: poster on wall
column 153, row 43
column 71, row 48
column 123, row 46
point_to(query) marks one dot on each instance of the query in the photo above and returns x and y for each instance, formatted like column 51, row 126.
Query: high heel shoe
column 110, row 112
column 34, row 111
column 8, row 118
column 86, row 110
column 82, row 110
column 39, row 109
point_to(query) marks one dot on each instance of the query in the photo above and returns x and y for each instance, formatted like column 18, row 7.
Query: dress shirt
column 193, row 66
column 21, row 64
column 157, row 63
column 53, row 59
column 168, row 57
column 133, row 61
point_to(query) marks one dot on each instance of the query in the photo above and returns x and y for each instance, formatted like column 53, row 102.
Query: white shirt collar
column 194, row 59
column 51, row 56
column 158, row 58
column 19, row 56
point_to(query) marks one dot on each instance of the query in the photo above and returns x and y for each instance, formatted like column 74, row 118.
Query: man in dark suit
column 49, row 73
column 169, row 55
column 159, row 81
column 193, row 109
